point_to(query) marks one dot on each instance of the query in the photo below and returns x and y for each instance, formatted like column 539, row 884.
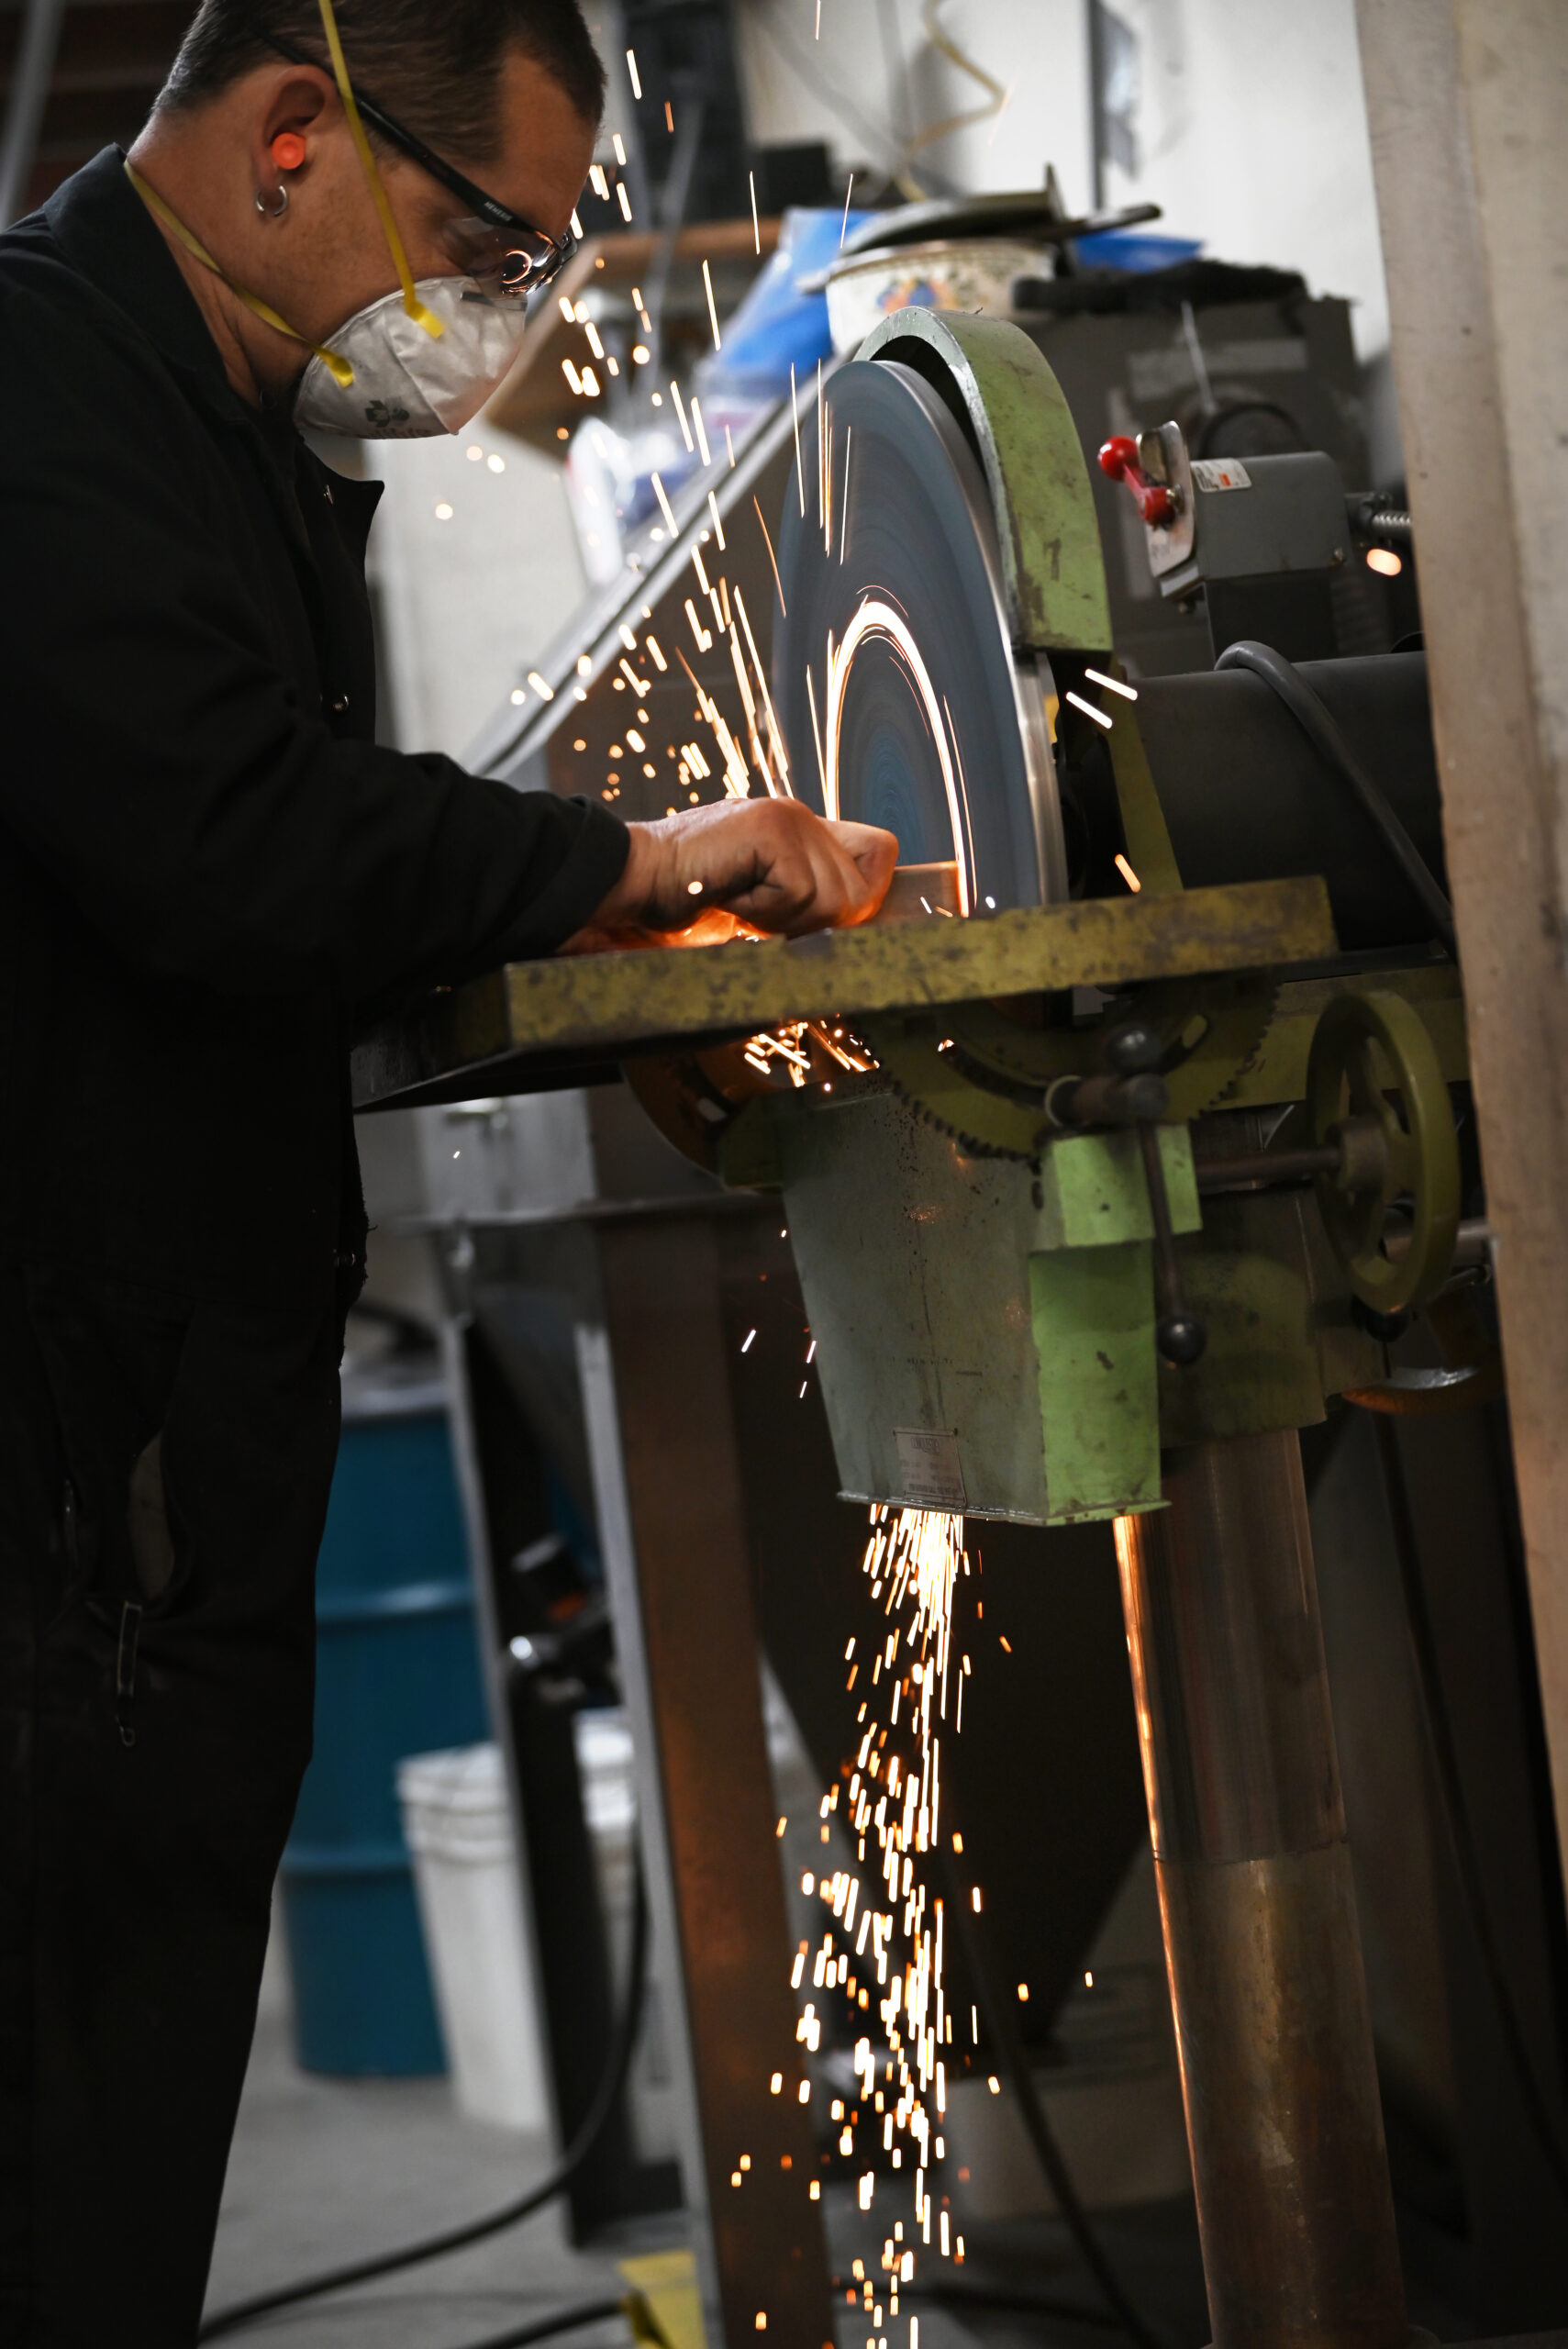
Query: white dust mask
column 407, row 382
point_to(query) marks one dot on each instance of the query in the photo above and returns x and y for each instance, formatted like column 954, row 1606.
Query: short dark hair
column 434, row 64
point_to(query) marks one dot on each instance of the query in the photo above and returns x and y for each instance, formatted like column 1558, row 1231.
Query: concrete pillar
column 1467, row 101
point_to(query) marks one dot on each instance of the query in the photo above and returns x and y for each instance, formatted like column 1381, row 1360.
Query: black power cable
column 360, row 2271
column 1031, row 2113
column 1312, row 715
column 1450, row 1789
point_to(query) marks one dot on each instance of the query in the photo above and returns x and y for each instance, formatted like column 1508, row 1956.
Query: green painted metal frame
column 514, row 1029
column 1053, row 573
column 1092, row 1309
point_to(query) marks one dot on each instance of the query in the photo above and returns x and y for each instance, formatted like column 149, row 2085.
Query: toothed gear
column 980, row 1073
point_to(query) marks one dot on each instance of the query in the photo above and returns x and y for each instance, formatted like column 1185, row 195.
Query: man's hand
column 770, row 864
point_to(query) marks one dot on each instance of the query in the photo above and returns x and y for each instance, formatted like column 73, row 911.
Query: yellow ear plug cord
column 338, row 368
column 411, row 302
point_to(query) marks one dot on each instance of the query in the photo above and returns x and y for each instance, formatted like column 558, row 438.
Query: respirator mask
column 424, row 358
column 404, row 383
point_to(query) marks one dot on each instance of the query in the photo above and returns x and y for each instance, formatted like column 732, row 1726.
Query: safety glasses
column 491, row 243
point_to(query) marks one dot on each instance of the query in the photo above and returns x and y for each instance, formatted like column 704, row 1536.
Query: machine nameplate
column 928, row 1467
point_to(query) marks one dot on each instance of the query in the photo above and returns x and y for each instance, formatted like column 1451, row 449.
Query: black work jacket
column 207, row 868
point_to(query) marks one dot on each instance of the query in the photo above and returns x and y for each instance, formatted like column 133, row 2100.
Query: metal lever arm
column 1135, row 1093
column 1119, row 459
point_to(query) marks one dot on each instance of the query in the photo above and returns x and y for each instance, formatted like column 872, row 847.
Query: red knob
column 1118, row 458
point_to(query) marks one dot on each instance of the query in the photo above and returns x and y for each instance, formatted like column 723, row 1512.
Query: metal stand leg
column 673, row 1527
column 1294, row 2202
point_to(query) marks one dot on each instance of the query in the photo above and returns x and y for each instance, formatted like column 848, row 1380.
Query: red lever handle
column 1118, row 458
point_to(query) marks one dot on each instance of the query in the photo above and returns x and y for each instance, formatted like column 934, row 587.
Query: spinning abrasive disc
column 895, row 682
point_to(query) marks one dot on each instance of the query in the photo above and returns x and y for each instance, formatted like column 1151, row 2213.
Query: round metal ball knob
column 1134, row 1048
column 1181, row 1338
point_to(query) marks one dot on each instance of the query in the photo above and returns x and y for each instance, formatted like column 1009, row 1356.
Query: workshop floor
column 323, row 2170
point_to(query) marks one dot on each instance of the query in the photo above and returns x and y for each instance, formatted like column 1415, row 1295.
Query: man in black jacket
column 209, row 871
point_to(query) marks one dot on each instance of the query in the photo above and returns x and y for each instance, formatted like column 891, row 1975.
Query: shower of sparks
column 778, row 583
column 1128, row 875
column 665, row 506
column 816, row 737
column 631, row 69
column 712, row 305
column 1112, row 684
column 844, row 224
column 681, row 412
column 778, row 771
column 756, row 224
column 800, row 1048
column 701, row 431
column 799, row 472
column 1088, row 709
column 883, row 1939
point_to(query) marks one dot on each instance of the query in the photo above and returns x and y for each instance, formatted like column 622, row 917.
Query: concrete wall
column 1252, row 130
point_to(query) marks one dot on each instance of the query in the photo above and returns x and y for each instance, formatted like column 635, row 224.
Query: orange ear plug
column 288, row 150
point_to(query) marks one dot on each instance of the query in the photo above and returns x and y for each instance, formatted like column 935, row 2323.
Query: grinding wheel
column 899, row 695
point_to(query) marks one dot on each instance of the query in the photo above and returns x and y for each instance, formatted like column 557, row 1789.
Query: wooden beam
column 1466, row 101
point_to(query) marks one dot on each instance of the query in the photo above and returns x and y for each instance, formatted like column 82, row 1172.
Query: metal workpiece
column 672, row 1524
column 1235, row 1727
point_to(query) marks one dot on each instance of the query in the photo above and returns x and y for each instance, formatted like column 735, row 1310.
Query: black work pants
column 156, row 1653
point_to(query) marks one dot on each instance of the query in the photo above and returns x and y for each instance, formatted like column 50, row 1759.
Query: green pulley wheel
column 1374, row 1086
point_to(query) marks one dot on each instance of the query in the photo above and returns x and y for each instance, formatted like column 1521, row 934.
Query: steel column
column 1283, row 2121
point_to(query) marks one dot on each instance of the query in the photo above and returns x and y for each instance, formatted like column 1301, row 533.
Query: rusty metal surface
column 672, row 1523
column 1283, row 2121
column 539, row 1016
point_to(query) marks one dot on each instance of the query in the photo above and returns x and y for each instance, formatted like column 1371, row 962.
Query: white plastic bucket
column 458, row 1827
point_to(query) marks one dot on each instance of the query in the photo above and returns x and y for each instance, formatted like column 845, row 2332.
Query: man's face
column 539, row 169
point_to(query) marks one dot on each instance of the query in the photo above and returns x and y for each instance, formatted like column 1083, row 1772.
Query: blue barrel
column 397, row 1673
